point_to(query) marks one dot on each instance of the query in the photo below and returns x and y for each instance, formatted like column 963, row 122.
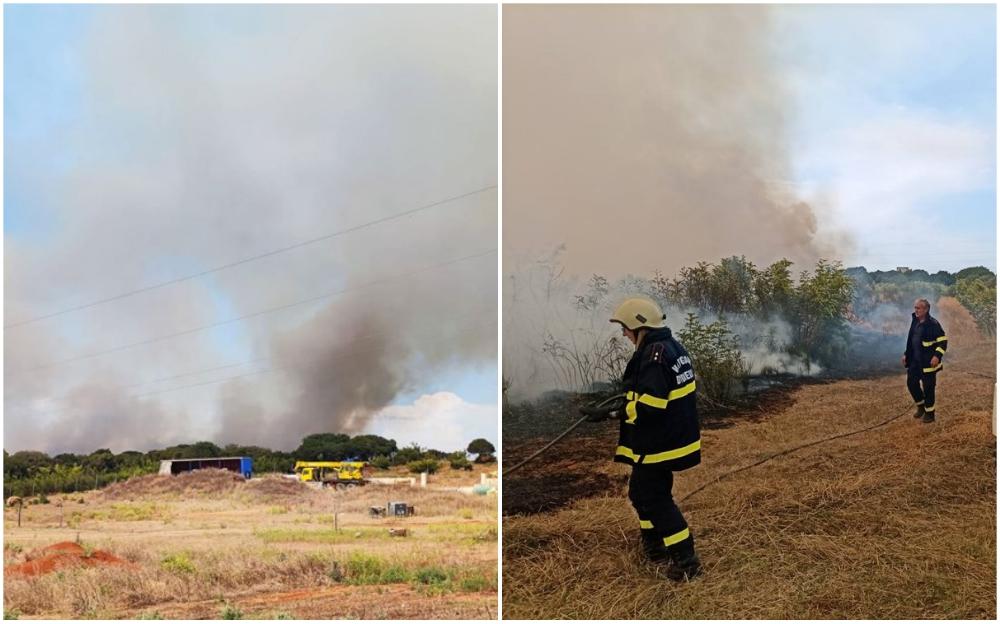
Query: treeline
column 732, row 304
column 32, row 473
column 974, row 287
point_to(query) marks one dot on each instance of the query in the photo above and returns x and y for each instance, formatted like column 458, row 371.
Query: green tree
column 324, row 447
column 483, row 449
column 820, row 307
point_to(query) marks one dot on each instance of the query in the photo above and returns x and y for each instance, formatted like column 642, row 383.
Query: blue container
column 246, row 466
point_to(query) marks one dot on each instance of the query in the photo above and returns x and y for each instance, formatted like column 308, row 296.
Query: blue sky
column 894, row 134
column 97, row 103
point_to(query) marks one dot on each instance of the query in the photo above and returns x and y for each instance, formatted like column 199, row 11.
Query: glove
column 598, row 414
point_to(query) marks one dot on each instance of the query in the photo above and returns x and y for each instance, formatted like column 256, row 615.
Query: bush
column 718, row 364
column 424, row 465
column 382, row 462
column 458, row 461
column 178, row 563
column 229, row 612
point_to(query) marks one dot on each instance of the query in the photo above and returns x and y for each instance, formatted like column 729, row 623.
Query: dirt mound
column 277, row 489
column 210, row 483
column 60, row 556
column 200, row 483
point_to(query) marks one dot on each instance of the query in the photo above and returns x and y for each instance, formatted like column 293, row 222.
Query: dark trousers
column 915, row 378
column 664, row 530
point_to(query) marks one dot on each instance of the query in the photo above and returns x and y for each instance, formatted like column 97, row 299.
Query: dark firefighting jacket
column 933, row 342
column 659, row 424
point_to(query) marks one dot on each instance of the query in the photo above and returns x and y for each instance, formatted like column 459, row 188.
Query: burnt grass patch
column 573, row 469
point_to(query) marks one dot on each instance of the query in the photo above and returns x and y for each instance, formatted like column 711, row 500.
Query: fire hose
column 730, row 473
column 603, row 404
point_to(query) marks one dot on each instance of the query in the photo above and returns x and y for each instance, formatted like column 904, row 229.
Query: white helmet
column 638, row 313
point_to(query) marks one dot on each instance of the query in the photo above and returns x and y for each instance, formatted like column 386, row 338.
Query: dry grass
column 898, row 522
column 201, row 545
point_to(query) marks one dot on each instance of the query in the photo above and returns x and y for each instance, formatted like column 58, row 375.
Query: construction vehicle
column 334, row 474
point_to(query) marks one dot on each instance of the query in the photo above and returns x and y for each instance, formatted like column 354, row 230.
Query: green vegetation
column 977, row 292
column 177, row 563
column 459, row 461
column 424, row 465
column 483, row 450
column 36, row 474
column 229, row 612
column 716, row 352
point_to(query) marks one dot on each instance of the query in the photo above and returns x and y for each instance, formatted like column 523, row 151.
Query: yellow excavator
column 334, row 474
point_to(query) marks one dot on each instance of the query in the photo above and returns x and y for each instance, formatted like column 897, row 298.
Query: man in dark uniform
column 925, row 347
column 659, row 434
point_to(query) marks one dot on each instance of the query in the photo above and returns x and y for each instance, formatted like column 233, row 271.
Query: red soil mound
column 62, row 555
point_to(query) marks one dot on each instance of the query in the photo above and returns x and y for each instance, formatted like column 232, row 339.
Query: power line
column 235, row 263
column 254, row 314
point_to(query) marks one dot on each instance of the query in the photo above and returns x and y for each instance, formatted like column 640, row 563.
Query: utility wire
column 235, row 263
column 255, row 314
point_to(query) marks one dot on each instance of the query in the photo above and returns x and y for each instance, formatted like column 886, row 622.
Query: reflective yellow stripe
column 655, row 458
column 625, row 451
column 933, row 342
column 929, row 409
column 920, row 402
column 942, row 339
column 674, row 454
column 933, row 368
column 670, row 540
column 645, row 524
column 940, row 350
column 653, row 401
column 630, row 413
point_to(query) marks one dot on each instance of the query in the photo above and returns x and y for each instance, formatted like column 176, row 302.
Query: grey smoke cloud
column 647, row 137
column 208, row 134
column 638, row 138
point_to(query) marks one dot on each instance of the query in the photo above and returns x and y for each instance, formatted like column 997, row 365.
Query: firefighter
column 925, row 347
column 658, row 435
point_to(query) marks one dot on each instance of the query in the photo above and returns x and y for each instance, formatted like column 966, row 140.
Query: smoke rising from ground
column 639, row 138
column 208, row 134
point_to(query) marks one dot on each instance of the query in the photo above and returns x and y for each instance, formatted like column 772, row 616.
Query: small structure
column 399, row 509
column 239, row 465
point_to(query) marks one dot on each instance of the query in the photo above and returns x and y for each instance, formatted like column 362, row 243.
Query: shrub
column 229, row 612
column 717, row 361
column 424, row 465
column 430, row 576
column 382, row 462
column 178, row 563
column 458, row 461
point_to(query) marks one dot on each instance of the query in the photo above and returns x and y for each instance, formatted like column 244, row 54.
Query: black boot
column 683, row 570
column 928, row 417
column 920, row 411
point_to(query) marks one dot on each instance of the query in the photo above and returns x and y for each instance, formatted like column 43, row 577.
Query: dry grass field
column 896, row 522
column 205, row 545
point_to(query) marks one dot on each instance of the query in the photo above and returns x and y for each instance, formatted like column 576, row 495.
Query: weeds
column 229, row 612
column 177, row 563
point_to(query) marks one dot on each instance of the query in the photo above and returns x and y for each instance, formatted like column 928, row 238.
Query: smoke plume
column 638, row 138
column 203, row 135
